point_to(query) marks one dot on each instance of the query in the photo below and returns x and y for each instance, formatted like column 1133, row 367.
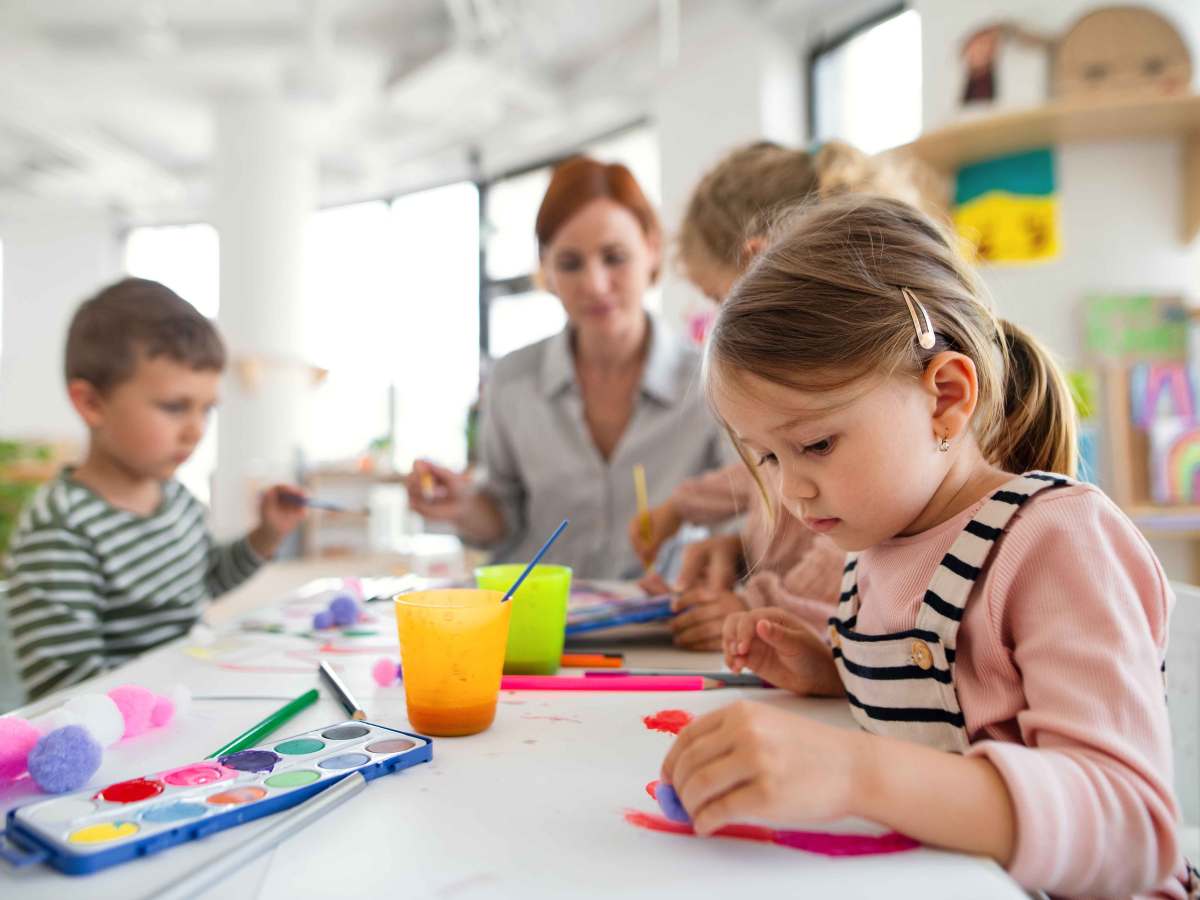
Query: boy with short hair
column 113, row 557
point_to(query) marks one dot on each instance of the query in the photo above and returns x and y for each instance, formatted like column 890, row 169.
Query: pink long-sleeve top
column 1058, row 676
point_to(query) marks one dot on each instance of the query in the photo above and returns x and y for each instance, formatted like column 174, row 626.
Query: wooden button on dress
column 921, row 655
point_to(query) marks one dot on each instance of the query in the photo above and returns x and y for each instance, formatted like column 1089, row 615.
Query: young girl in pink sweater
column 1001, row 634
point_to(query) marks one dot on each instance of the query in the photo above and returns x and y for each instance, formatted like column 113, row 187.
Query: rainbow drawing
column 1161, row 390
column 1183, row 468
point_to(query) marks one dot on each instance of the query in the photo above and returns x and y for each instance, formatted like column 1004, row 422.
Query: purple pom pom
column 344, row 609
column 323, row 620
column 64, row 759
column 669, row 803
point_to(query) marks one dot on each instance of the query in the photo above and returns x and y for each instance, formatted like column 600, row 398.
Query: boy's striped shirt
column 90, row 586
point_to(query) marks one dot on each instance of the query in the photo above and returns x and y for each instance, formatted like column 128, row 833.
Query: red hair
column 580, row 180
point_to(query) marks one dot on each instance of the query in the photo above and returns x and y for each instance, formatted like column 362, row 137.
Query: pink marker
column 627, row 683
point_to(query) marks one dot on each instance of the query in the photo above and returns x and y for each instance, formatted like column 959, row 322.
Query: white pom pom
column 56, row 718
column 100, row 716
column 182, row 698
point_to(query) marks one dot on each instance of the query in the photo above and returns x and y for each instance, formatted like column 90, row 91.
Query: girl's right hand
column 437, row 493
column 782, row 649
column 664, row 522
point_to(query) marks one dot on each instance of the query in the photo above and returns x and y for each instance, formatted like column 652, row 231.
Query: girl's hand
column 653, row 584
column 712, row 563
column 757, row 762
column 818, row 575
column 280, row 510
column 782, row 649
column 699, row 620
column 437, row 493
column 664, row 522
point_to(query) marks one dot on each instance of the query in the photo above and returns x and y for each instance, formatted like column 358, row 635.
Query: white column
column 737, row 79
column 264, row 192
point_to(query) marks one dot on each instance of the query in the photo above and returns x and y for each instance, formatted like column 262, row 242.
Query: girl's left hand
column 699, row 616
column 749, row 761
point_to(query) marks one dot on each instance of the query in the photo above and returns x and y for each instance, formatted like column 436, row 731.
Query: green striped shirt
column 90, row 586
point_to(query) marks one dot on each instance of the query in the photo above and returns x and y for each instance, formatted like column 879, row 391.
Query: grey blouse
column 541, row 465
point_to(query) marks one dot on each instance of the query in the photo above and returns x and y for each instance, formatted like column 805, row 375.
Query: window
column 517, row 311
column 185, row 259
column 391, row 298
column 865, row 87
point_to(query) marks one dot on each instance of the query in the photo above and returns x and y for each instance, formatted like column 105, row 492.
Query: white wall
column 54, row 258
column 736, row 80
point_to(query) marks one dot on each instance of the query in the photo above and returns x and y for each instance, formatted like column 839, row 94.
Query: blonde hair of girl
column 737, row 198
column 823, row 306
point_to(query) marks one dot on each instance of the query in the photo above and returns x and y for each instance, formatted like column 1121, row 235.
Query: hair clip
column 924, row 328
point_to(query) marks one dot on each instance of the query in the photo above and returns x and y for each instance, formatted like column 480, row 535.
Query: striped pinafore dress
column 902, row 685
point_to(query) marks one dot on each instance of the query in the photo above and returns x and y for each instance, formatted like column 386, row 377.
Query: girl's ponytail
column 1039, row 427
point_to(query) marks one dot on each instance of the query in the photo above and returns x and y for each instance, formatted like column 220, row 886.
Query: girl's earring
column 944, row 444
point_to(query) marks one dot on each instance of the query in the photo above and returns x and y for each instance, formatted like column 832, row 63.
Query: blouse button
column 921, row 655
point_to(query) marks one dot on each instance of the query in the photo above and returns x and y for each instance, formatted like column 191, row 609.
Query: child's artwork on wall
column 1159, row 391
column 1175, row 461
column 1006, row 65
column 1121, row 51
column 1007, row 207
column 1133, row 328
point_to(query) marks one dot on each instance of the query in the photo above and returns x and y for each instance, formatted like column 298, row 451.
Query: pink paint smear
column 824, row 843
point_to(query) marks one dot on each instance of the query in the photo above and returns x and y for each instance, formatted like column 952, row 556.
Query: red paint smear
column 652, row 789
column 670, row 721
column 131, row 791
column 821, row 842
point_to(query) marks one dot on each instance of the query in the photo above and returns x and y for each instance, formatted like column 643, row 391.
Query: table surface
column 532, row 807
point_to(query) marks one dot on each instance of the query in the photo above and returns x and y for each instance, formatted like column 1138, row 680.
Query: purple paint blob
column 670, row 804
column 250, row 760
column 323, row 620
column 344, row 609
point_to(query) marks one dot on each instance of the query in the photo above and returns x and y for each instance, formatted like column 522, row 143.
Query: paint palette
column 90, row 830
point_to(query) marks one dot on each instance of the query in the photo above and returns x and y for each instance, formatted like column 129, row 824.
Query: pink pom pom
column 136, row 705
column 384, row 672
column 17, row 738
column 163, row 712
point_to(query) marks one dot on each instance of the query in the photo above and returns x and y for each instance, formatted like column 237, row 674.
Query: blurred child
column 112, row 557
column 1001, row 636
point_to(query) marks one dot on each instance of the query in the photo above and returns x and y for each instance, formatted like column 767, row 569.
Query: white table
column 531, row 808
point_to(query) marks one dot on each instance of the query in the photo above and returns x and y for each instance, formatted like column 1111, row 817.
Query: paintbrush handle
column 287, row 824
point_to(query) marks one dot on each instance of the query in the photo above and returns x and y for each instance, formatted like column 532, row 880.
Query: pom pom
column 56, row 718
column 384, row 672
column 344, row 609
column 64, row 759
column 182, row 698
column 17, row 738
column 163, row 712
column 136, row 705
column 323, row 620
column 99, row 714
column 669, row 803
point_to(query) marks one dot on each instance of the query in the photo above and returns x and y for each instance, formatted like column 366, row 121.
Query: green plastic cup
column 539, row 615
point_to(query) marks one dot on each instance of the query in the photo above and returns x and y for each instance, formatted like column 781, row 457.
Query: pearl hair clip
column 924, row 328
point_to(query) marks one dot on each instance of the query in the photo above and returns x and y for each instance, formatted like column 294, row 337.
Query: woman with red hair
column 565, row 420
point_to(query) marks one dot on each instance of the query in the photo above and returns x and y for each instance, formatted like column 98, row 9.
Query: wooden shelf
column 983, row 136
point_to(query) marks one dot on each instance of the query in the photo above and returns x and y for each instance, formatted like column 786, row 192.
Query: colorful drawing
column 1007, row 207
column 1161, row 390
column 1175, row 461
column 1131, row 328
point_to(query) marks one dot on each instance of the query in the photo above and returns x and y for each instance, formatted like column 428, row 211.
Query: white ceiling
column 109, row 102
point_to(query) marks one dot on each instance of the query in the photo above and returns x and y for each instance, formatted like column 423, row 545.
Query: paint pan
column 91, row 830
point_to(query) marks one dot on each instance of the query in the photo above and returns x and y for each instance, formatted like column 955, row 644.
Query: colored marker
column 341, row 692
column 643, row 502
column 632, row 683
column 591, row 660
column 255, row 733
column 729, row 679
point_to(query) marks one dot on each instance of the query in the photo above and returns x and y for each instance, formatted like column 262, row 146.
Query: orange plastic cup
column 452, row 652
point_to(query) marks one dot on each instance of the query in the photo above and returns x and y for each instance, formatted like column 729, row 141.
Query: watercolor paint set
column 91, row 830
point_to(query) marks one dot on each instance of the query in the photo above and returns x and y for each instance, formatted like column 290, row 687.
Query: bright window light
column 867, row 91
column 520, row 319
column 183, row 257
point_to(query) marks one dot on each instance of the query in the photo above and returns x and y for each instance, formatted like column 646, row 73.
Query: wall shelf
column 981, row 136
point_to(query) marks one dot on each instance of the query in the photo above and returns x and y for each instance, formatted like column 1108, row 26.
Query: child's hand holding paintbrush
column 436, row 492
